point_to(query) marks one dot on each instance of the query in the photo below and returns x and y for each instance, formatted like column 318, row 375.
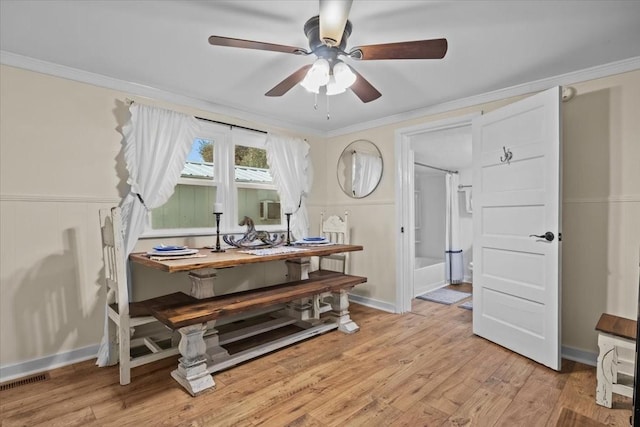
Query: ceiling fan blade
column 419, row 49
column 286, row 85
column 333, row 19
column 363, row 89
column 249, row 44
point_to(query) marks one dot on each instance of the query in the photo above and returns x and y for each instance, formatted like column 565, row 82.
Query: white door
column 516, row 186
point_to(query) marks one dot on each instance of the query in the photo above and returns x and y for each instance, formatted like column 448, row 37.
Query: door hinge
column 402, row 229
column 560, row 237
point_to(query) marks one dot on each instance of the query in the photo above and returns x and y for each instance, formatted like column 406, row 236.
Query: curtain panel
column 156, row 145
column 453, row 253
column 292, row 173
column 367, row 168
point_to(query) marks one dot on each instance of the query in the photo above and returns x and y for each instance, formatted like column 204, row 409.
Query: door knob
column 549, row 236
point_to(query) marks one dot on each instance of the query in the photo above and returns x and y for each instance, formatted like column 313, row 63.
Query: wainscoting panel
column 50, row 282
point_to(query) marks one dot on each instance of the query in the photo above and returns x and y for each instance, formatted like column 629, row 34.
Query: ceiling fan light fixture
column 310, row 87
column 318, row 74
column 334, row 88
column 343, row 74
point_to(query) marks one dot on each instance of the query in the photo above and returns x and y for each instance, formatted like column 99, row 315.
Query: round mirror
column 360, row 168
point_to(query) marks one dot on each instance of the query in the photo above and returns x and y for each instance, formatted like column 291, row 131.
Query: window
column 254, row 186
column 227, row 166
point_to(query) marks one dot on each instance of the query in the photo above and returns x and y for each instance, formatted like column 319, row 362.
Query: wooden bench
column 616, row 341
column 192, row 319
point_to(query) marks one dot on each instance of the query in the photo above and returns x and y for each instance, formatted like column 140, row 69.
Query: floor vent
column 24, row 381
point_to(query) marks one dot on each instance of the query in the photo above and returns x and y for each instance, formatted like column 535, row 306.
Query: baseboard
column 579, row 355
column 34, row 366
column 373, row 303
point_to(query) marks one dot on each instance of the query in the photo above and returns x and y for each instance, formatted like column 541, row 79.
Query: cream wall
column 61, row 161
column 55, row 130
column 601, row 205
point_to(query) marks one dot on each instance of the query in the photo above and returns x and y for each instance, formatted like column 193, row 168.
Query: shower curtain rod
column 433, row 167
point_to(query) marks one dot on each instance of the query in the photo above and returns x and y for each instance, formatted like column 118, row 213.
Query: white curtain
column 157, row 143
column 290, row 166
column 453, row 253
column 367, row 169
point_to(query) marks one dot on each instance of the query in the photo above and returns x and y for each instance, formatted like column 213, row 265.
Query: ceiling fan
column 327, row 34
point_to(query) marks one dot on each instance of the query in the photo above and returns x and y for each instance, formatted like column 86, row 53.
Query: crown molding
column 573, row 77
column 136, row 89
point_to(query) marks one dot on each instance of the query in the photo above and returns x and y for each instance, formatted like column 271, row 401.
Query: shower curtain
column 366, row 171
column 454, row 272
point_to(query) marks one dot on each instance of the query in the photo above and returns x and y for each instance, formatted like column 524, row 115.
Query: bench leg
column 192, row 373
column 605, row 370
column 340, row 311
column 303, row 311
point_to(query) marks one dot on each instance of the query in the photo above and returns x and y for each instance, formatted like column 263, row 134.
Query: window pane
column 251, row 165
column 261, row 205
column 190, row 206
column 200, row 160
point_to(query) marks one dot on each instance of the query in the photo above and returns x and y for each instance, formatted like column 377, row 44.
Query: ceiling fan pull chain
column 315, row 101
column 328, row 116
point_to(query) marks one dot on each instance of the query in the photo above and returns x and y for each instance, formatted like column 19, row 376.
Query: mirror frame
column 346, row 154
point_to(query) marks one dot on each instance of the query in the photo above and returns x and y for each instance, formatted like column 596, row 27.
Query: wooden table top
column 233, row 257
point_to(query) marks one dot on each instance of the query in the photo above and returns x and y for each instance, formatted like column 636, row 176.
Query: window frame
column 225, row 139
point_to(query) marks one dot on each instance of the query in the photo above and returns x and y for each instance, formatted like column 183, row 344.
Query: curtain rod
column 231, row 125
column 433, row 167
column 129, row 101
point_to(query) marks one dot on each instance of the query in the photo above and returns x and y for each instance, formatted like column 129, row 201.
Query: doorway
column 517, row 223
column 444, row 145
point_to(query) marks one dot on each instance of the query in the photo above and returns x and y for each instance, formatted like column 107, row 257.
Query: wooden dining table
column 303, row 312
column 203, row 265
column 238, row 256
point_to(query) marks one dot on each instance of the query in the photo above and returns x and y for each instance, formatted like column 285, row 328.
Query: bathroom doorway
column 435, row 168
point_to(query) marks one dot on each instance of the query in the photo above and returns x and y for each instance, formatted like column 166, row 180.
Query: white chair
column 124, row 317
column 336, row 230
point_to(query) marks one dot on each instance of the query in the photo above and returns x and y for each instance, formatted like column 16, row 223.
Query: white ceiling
column 163, row 45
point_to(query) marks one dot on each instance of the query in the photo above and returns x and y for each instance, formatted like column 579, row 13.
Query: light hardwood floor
column 425, row 368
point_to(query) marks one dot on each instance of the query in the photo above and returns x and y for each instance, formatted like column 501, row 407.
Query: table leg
column 192, row 373
column 298, row 268
column 202, row 286
column 340, row 312
column 202, row 282
column 301, row 309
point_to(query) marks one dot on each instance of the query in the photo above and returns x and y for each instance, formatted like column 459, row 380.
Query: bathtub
column 427, row 275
